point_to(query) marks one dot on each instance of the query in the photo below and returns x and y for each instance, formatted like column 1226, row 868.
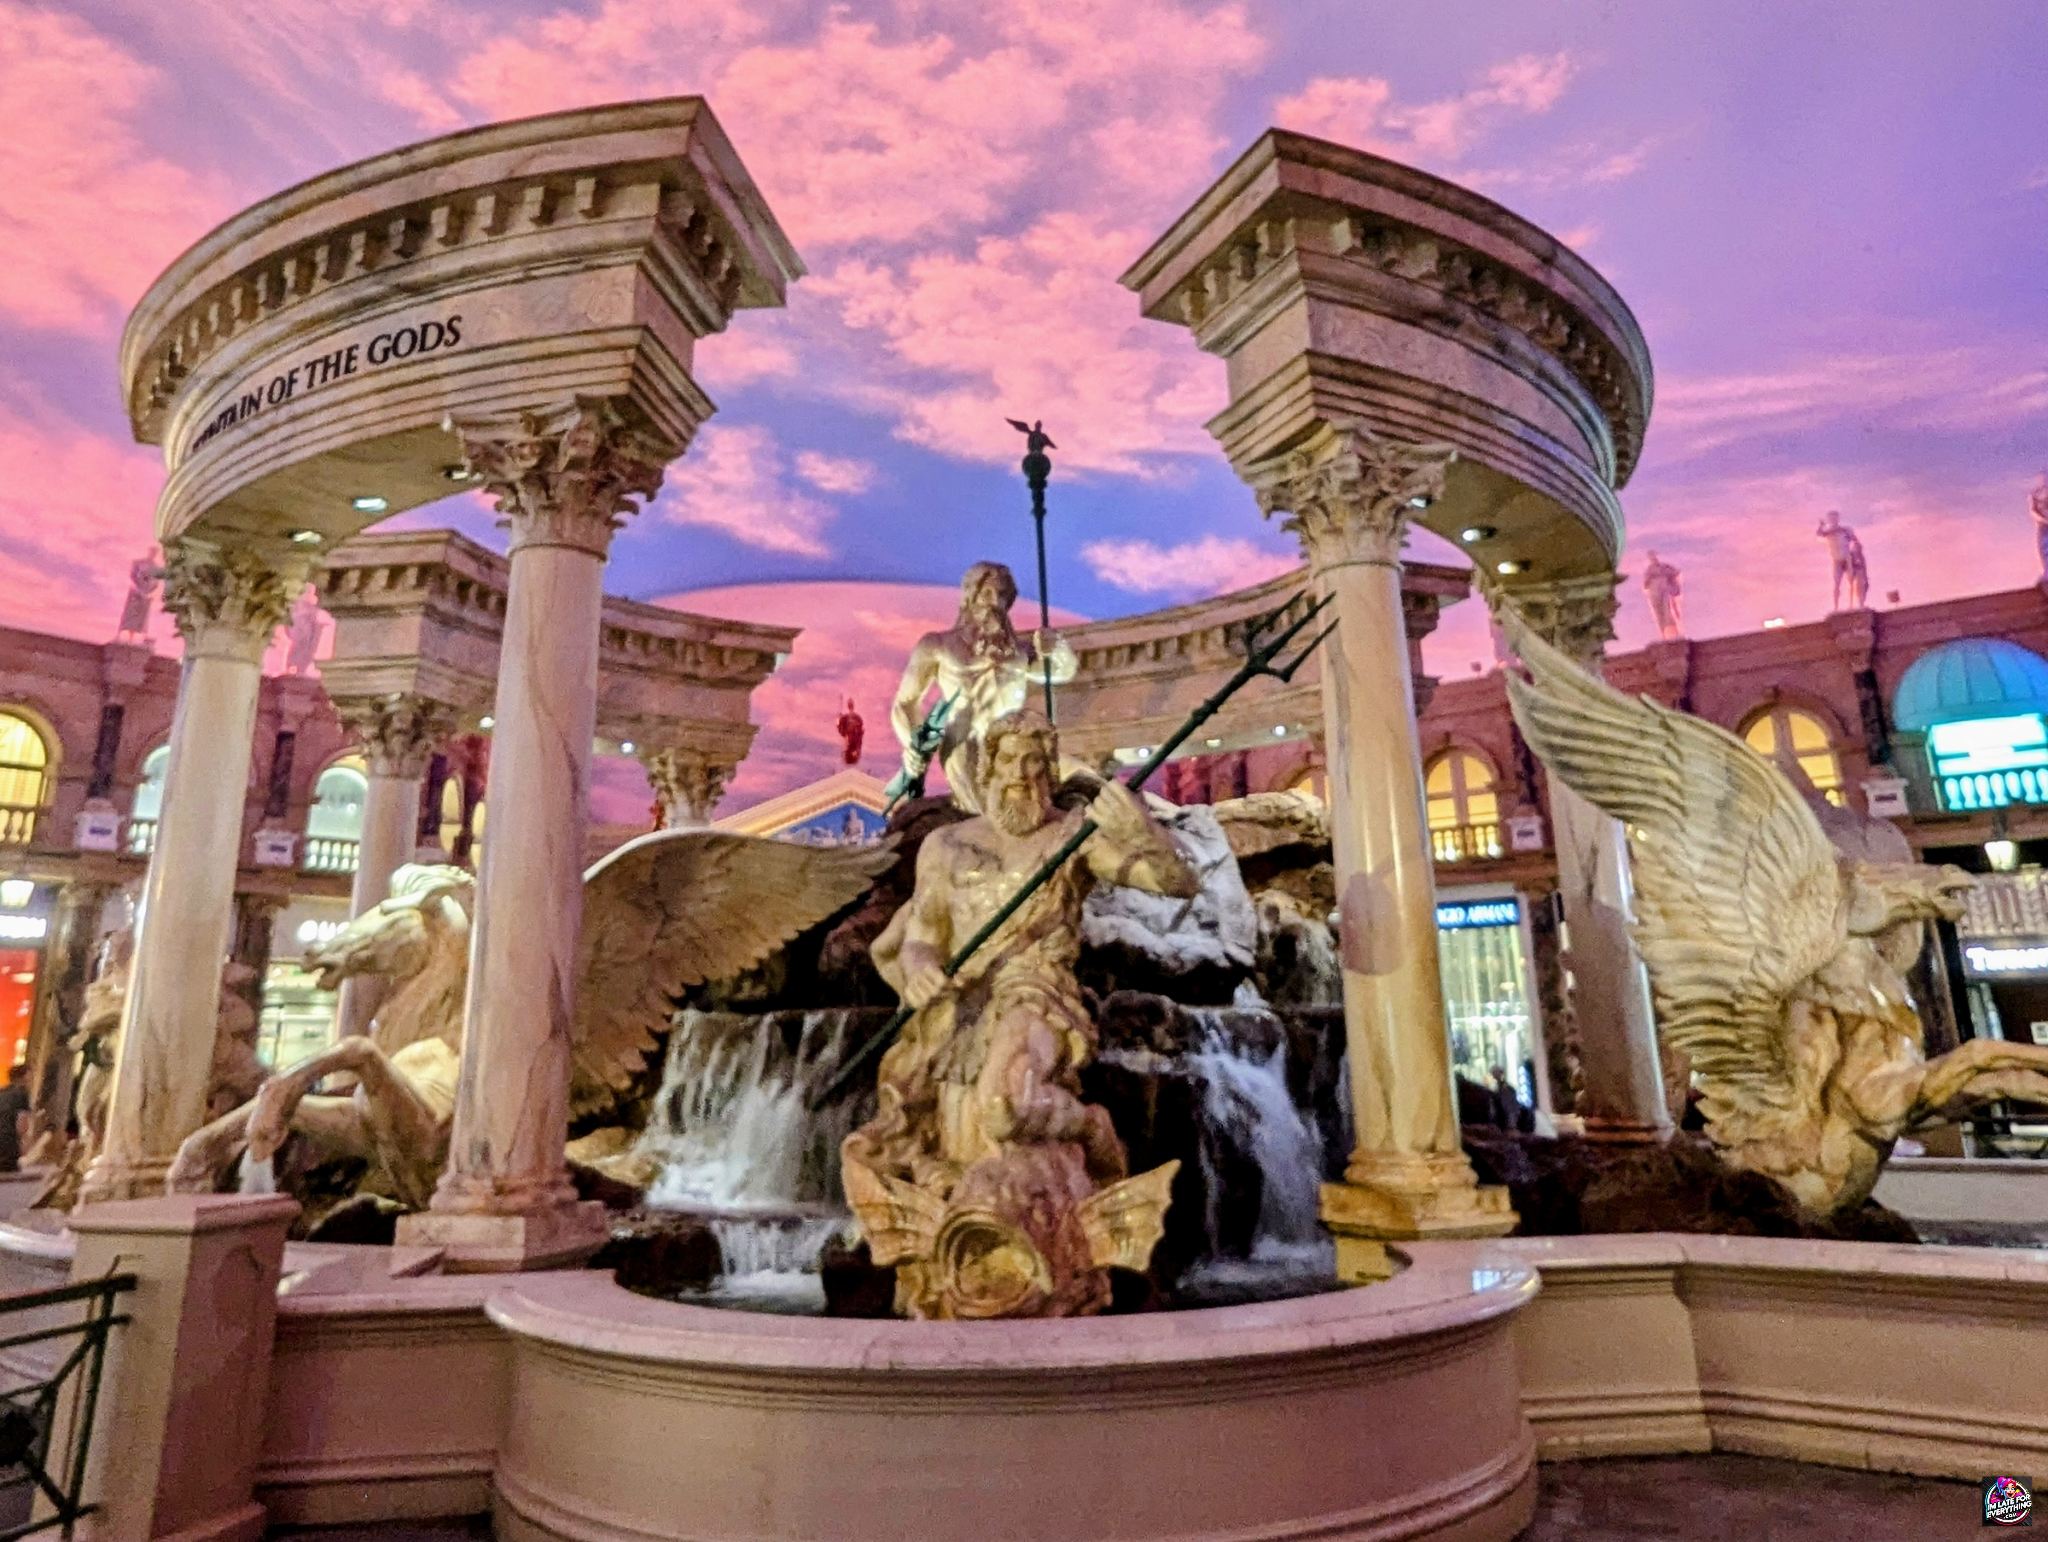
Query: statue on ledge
column 1661, row 586
column 1778, row 967
column 1846, row 552
column 982, row 667
column 987, row 1182
column 145, row 577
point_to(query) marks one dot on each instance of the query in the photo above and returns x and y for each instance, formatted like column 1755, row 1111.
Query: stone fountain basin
column 1382, row 1413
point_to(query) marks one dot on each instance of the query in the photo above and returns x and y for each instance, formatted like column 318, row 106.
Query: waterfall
column 732, row 1125
column 1247, row 1103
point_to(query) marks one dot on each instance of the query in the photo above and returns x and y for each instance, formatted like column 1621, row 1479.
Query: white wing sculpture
column 1777, row 968
column 660, row 914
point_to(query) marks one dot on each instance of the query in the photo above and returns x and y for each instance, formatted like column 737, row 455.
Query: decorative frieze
column 566, row 476
column 1348, row 494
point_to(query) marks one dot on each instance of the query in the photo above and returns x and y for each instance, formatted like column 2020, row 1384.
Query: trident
column 1259, row 660
column 1037, row 467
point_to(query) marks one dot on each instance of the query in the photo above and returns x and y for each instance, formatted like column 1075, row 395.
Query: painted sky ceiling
column 1829, row 223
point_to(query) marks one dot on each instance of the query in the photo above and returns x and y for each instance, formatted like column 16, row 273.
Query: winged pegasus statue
column 660, row 914
column 1777, row 966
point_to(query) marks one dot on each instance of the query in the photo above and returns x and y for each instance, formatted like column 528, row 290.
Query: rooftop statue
column 660, row 914
column 145, row 576
column 2037, row 507
column 302, row 632
column 983, row 668
column 1661, row 585
column 1846, row 551
column 987, row 1182
column 1778, row 967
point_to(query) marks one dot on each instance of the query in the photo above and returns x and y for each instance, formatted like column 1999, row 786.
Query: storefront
column 298, row 1016
column 1489, row 977
column 24, row 929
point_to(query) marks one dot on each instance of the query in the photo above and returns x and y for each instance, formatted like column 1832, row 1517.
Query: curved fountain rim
column 586, row 1310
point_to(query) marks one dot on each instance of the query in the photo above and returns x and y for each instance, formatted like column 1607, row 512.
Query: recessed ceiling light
column 306, row 538
column 461, row 473
column 1279, row 730
column 625, row 746
column 1511, row 567
column 1774, row 623
column 369, row 503
column 1418, row 503
column 1472, row 535
column 486, row 722
column 1212, row 743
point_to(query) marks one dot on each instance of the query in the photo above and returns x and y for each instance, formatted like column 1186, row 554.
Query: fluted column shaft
column 1348, row 497
column 1622, row 1098
column 563, row 481
column 398, row 734
column 227, row 604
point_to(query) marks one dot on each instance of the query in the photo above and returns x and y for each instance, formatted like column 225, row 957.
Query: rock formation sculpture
column 984, row 1179
column 1778, row 967
column 660, row 914
column 983, row 667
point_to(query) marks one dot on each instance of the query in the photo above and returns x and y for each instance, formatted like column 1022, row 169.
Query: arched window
column 1464, row 808
column 334, row 824
column 1802, row 736
column 24, row 778
column 148, row 807
column 458, row 849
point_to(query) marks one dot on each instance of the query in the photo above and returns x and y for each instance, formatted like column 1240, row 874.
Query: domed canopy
column 1978, row 677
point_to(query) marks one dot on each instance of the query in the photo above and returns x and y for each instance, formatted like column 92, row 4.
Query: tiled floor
column 1658, row 1499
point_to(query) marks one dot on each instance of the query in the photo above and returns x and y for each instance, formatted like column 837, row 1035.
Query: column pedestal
column 506, row 1201
column 1348, row 498
column 227, row 604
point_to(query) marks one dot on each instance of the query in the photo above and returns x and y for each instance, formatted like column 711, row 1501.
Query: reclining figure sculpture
column 1778, row 967
column 660, row 914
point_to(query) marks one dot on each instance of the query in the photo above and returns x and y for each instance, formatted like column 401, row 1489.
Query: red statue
column 851, row 730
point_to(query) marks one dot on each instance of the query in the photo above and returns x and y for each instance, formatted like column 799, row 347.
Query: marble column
column 1621, row 1095
column 1348, row 496
column 563, row 480
column 687, row 786
column 399, row 733
column 227, row 602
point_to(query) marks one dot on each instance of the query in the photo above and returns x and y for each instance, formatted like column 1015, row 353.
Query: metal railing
column 141, row 837
column 331, row 854
column 1466, row 843
column 46, row 1420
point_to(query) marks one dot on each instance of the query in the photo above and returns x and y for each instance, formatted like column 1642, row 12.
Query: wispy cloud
column 734, row 480
column 835, row 473
column 1190, row 570
column 1362, row 109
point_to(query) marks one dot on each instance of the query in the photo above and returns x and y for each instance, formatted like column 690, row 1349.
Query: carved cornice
column 1348, row 494
column 398, row 733
column 229, row 600
column 567, row 476
column 1575, row 616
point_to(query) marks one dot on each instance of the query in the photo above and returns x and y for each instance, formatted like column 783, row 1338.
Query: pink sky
column 1830, row 232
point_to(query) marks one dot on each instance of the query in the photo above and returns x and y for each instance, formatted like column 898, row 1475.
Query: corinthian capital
column 228, row 600
column 1348, row 494
column 687, row 785
column 398, row 733
column 567, row 476
column 1574, row 615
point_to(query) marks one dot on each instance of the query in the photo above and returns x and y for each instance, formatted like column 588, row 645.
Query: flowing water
column 740, row 1145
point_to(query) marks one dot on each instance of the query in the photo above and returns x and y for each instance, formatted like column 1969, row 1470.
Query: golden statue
column 1778, row 967
column 987, row 1182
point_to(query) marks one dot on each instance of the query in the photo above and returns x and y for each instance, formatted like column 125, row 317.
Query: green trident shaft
column 1259, row 660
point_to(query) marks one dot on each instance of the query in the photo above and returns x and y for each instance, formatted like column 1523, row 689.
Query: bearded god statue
column 983, row 1178
column 981, row 666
